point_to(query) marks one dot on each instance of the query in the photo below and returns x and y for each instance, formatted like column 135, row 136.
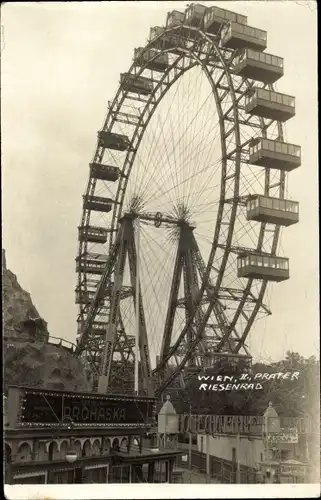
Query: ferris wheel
column 185, row 202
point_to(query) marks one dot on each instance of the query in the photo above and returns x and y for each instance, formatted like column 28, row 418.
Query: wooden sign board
column 284, row 436
column 56, row 408
column 221, row 424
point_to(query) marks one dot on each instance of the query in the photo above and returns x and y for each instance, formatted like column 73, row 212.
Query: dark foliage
column 289, row 397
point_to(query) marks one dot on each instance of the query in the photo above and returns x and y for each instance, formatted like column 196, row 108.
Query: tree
column 292, row 398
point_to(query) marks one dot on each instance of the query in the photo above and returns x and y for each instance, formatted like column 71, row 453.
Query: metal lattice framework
column 174, row 157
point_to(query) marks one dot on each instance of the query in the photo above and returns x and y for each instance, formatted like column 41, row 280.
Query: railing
column 273, row 204
column 224, row 471
column 66, row 344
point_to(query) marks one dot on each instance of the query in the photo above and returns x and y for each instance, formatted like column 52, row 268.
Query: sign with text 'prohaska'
column 56, row 408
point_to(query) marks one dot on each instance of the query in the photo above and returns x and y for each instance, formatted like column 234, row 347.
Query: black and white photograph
column 160, row 264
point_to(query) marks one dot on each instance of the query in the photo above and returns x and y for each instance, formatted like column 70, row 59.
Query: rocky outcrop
column 30, row 358
column 20, row 317
column 40, row 364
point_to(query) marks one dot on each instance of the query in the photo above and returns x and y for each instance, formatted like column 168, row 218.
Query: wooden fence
column 224, row 471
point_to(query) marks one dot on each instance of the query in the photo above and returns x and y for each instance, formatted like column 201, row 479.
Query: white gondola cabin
column 194, row 15
column 151, row 59
column 91, row 263
column 174, row 18
column 84, row 297
column 259, row 66
column 110, row 140
column 92, row 234
column 263, row 267
column 274, row 154
column 136, row 84
column 241, row 36
column 160, row 40
column 215, row 18
column 97, row 203
column 270, row 104
column 272, row 210
column 99, row 328
column 104, row 172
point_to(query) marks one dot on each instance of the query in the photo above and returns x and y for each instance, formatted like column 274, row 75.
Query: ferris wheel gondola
column 193, row 148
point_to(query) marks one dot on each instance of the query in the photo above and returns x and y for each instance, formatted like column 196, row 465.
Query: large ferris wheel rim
column 117, row 207
column 121, row 192
column 168, row 50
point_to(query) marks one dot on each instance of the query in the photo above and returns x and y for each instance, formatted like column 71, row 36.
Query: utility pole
column 207, row 441
column 137, row 305
column 238, row 463
column 190, row 439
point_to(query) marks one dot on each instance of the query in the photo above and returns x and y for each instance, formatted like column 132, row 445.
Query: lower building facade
column 38, row 450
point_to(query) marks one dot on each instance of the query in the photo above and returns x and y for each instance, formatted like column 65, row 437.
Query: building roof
column 270, row 411
column 167, row 408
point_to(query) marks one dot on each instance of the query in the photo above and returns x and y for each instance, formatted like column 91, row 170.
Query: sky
column 60, row 66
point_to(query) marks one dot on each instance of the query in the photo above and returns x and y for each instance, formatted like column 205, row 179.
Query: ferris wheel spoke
column 218, row 307
column 186, row 180
column 155, row 158
column 206, row 122
column 161, row 278
column 176, row 174
column 155, row 282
